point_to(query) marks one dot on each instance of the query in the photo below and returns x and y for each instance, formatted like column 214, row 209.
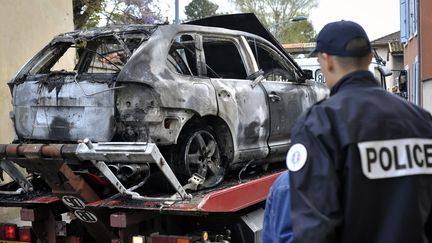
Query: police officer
column 361, row 161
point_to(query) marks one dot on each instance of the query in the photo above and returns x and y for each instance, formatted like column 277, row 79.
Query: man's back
column 371, row 174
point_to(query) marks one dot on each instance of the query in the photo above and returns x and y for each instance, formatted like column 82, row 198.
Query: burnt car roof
column 246, row 22
column 106, row 31
column 235, row 24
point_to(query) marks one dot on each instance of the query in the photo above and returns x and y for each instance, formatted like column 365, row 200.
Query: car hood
column 247, row 22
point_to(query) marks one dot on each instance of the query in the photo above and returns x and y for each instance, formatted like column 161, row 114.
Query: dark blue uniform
column 361, row 167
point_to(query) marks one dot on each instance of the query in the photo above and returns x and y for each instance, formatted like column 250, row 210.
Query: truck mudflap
column 52, row 162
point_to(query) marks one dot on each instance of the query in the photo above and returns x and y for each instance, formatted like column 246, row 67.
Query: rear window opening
column 182, row 56
column 99, row 55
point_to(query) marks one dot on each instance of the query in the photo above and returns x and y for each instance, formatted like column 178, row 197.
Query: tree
column 90, row 13
column 85, row 13
column 200, row 9
column 130, row 12
column 297, row 32
column 276, row 14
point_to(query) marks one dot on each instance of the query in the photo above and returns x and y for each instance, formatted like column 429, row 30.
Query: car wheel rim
column 202, row 156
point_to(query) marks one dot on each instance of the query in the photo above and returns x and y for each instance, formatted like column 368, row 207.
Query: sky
column 378, row 17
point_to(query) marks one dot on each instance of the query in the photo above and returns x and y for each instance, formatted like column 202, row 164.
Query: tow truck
column 63, row 206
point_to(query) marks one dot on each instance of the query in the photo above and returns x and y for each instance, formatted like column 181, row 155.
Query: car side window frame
column 236, row 41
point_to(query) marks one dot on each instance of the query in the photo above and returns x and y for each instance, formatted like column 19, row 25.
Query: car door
column 242, row 106
column 287, row 98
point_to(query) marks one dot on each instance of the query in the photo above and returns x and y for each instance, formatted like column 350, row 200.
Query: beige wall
column 26, row 26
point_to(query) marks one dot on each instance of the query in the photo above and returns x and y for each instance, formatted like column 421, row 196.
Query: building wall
column 26, row 27
column 410, row 54
column 426, row 39
column 425, row 50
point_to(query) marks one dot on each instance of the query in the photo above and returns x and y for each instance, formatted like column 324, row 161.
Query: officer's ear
column 326, row 61
column 370, row 56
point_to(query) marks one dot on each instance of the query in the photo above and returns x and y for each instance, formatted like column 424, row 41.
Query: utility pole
column 177, row 19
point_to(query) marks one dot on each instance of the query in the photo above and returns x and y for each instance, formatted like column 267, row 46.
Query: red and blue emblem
column 296, row 157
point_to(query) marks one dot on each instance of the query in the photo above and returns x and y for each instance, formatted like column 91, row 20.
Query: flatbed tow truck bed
column 230, row 196
column 230, row 212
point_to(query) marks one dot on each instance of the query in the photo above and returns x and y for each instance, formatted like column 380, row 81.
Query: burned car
column 213, row 99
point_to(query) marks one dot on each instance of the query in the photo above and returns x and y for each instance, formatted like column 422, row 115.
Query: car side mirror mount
column 402, row 81
column 384, row 71
column 257, row 77
column 308, row 74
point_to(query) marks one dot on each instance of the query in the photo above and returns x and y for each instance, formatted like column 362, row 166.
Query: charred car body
column 211, row 98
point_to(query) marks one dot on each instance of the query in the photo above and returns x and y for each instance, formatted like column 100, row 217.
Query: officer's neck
column 340, row 73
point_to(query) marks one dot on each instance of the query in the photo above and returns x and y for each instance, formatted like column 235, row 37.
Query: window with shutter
column 403, row 21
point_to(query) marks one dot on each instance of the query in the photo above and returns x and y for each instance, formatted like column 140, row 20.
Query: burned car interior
column 275, row 68
column 211, row 99
column 216, row 52
column 183, row 58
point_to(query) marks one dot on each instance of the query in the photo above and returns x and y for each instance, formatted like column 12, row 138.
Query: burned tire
column 198, row 152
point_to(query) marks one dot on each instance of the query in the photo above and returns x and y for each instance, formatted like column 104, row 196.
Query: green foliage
column 297, row 32
column 85, row 13
column 131, row 12
column 200, row 9
column 90, row 13
column 276, row 13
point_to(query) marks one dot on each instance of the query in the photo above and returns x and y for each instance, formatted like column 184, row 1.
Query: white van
column 311, row 63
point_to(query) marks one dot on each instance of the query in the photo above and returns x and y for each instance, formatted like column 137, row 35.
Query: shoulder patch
column 296, row 157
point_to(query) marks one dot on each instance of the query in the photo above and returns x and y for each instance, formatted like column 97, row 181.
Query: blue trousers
column 277, row 217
